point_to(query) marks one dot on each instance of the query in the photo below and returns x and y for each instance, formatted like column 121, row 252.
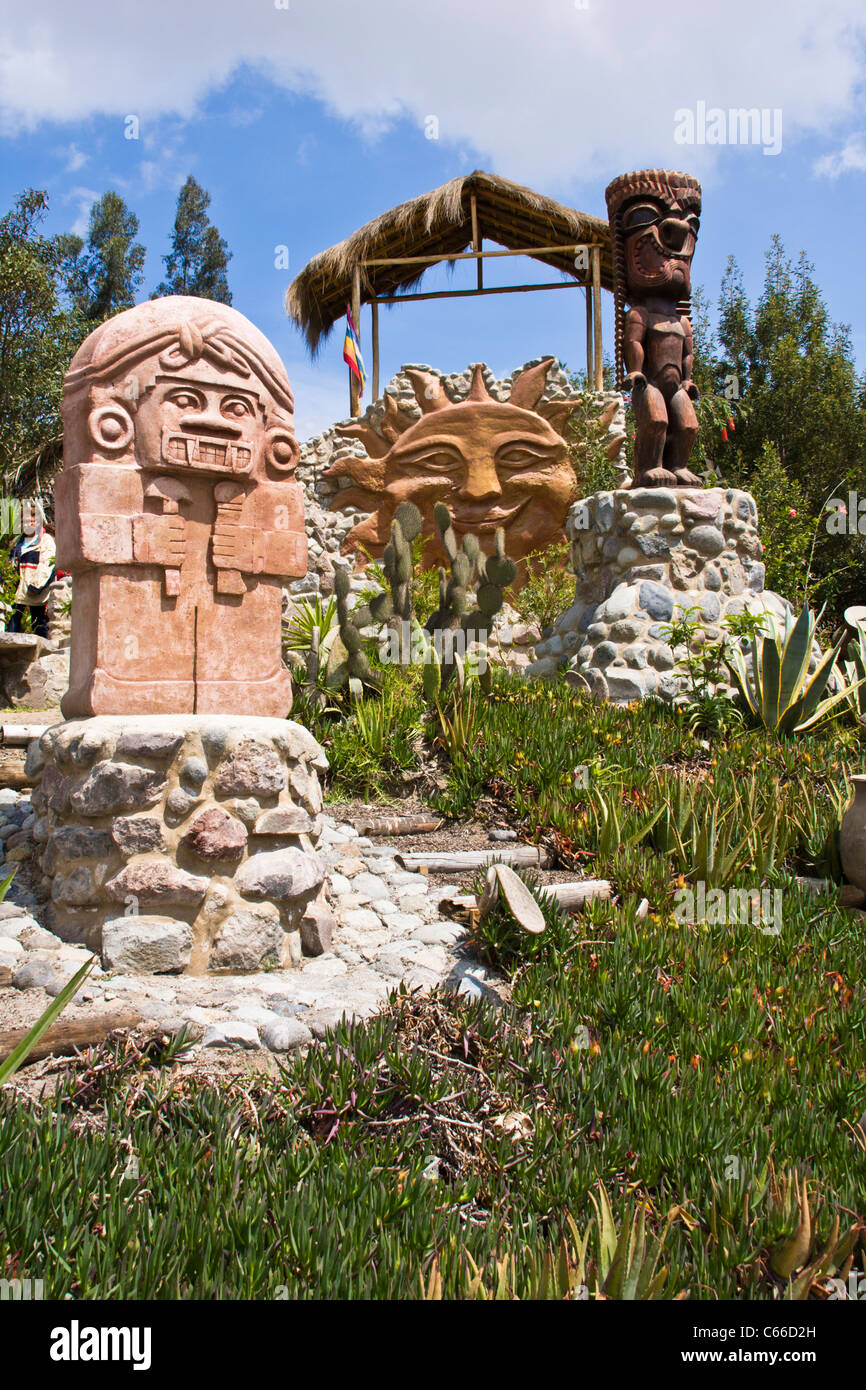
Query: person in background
column 33, row 556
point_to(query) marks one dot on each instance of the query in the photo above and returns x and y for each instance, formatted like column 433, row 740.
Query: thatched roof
column 437, row 224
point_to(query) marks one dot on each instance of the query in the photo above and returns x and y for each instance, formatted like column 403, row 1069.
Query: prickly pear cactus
column 357, row 666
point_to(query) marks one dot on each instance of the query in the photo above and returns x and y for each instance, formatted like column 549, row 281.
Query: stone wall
column 639, row 555
column 183, row 842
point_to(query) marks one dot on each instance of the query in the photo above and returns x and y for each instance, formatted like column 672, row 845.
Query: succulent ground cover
column 673, row 1103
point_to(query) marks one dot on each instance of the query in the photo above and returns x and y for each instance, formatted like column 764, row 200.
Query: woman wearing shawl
column 33, row 557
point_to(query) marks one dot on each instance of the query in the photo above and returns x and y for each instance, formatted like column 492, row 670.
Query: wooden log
column 396, row 825
column 65, row 1037
column 12, row 774
column 460, row 861
column 568, row 895
column 590, row 370
column 19, row 735
column 574, row 895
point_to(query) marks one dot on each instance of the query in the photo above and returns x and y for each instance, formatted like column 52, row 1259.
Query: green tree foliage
column 800, row 420
column 199, row 256
column 786, row 524
column 104, row 275
column 38, row 332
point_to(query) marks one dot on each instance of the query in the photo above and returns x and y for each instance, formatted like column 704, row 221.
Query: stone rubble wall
column 181, row 843
column 639, row 555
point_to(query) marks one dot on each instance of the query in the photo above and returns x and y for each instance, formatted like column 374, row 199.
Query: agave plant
column 855, row 673
column 779, row 691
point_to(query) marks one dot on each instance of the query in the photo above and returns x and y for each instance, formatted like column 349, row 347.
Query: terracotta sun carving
column 493, row 463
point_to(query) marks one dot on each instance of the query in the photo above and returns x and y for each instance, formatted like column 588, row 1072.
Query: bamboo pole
column 476, row 241
column 473, row 255
column 590, row 372
column 596, row 314
column 354, row 384
column 464, row 294
column 374, row 337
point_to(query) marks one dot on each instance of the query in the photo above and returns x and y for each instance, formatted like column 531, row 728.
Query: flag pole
column 354, row 383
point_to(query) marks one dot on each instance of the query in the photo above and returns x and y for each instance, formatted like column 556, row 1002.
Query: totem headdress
column 179, row 330
column 653, row 183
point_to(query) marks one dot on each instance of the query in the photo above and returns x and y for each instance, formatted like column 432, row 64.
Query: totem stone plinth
column 177, row 826
column 640, row 555
column 181, row 842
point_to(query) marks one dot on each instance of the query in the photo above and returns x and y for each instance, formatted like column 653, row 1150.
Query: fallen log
column 65, row 1038
column 574, row 895
column 460, row 861
column 571, row 896
column 396, row 825
column 19, row 735
column 12, row 774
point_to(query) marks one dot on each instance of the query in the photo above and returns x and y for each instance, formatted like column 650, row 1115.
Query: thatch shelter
column 383, row 260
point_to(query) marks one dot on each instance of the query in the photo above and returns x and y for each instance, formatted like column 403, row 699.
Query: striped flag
column 352, row 350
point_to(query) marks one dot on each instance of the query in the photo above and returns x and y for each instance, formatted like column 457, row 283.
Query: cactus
column 468, row 570
column 469, row 567
column 354, row 667
column 397, row 564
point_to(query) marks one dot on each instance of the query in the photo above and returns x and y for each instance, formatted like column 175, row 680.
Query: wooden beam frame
column 476, row 243
column 591, row 285
column 480, row 255
column 596, row 318
column 468, row 294
column 374, row 339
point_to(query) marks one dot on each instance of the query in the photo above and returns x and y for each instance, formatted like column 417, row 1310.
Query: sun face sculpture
column 492, row 463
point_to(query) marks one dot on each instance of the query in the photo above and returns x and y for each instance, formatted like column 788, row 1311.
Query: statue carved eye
column 235, row 407
column 523, row 456
column 437, row 460
column 641, row 215
column 186, row 400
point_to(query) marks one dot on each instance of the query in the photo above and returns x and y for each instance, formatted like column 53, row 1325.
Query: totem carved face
column 659, row 234
column 191, row 423
column 205, row 396
column 492, row 463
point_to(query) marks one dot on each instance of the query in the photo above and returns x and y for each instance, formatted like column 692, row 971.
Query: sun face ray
column 529, row 385
column 429, row 391
column 376, row 446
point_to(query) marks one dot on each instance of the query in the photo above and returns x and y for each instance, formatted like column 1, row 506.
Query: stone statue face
column 494, row 464
column 201, row 421
column 204, row 396
column 659, row 234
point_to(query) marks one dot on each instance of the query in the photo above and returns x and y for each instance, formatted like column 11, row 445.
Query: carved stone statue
column 654, row 219
column 177, row 514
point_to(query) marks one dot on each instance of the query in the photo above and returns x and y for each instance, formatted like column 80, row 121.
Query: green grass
column 691, row 1075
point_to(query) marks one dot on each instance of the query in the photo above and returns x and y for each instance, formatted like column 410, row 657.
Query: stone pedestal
column 180, row 842
column 639, row 555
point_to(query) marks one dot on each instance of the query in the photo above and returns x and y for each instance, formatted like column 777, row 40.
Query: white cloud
column 850, row 158
column 75, row 158
column 541, row 90
column 85, row 198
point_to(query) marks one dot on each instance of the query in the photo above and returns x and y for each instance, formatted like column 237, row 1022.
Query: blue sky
column 304, row 119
